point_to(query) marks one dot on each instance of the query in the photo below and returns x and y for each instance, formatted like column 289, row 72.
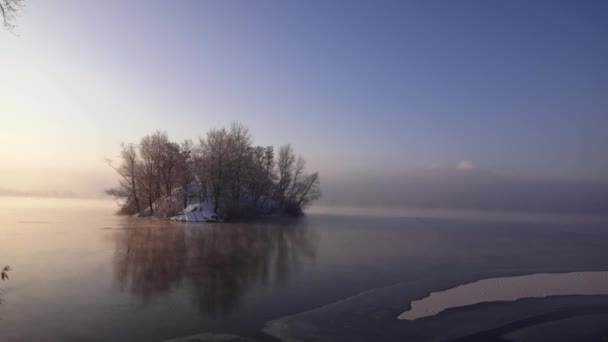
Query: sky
column 362, row 89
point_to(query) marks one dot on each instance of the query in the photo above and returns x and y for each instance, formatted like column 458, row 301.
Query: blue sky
column 356, row 86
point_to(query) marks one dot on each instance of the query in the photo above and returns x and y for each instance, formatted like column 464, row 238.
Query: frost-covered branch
column 9, row 10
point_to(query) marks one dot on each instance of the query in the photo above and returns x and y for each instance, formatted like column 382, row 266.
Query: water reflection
column 215, row 264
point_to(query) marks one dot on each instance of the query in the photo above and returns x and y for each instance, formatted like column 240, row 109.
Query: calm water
column 81, row 273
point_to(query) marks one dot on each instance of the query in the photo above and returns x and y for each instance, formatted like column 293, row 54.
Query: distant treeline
column 224, row 167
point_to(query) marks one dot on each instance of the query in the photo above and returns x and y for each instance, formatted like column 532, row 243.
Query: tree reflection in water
column 218, row 263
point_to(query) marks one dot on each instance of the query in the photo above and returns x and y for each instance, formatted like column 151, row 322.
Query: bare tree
column 214, row 150
column 302, row 189
column 186, row 168
column 285, row 162
column 150, row 151
column 298, row 173
column 269, row 174
column 239, row 149
column 202, row 170
column 308, row 191
column 170, row 159
column 260, row 175
column 295, row 190
column 9, row 10
column 128, row 171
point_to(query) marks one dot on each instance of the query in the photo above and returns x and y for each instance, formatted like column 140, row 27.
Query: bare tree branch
column 9, row 10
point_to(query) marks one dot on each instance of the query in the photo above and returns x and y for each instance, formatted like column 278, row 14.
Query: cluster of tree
column 224, row 166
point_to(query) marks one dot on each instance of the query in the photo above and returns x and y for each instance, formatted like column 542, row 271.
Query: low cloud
column 465, row 165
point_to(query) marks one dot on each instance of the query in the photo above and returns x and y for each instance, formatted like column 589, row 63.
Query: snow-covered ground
column 199, row 207
column 197, row 212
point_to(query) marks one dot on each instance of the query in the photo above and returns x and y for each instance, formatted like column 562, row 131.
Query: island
column 222, row 176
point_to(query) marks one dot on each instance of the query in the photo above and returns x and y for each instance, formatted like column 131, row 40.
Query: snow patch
column 197, row 212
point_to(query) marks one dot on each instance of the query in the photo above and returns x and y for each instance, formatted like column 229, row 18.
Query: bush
column 5, row 270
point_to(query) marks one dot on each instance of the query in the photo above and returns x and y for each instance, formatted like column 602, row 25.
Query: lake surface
column 81, row 273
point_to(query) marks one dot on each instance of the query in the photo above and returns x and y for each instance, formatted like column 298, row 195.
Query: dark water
column 84, row 274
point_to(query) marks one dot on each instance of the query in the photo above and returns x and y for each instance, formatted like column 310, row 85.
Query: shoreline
column 372, row 314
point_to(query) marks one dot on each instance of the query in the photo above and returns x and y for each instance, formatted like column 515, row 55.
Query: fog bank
column 467, row 190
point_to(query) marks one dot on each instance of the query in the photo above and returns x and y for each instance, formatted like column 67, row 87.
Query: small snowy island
column 223, row 176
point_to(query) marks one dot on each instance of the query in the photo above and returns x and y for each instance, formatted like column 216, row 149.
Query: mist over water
column 470, row 190
column 82, row 273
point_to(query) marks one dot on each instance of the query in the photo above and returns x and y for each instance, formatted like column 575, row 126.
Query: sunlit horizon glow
column 515, row 88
